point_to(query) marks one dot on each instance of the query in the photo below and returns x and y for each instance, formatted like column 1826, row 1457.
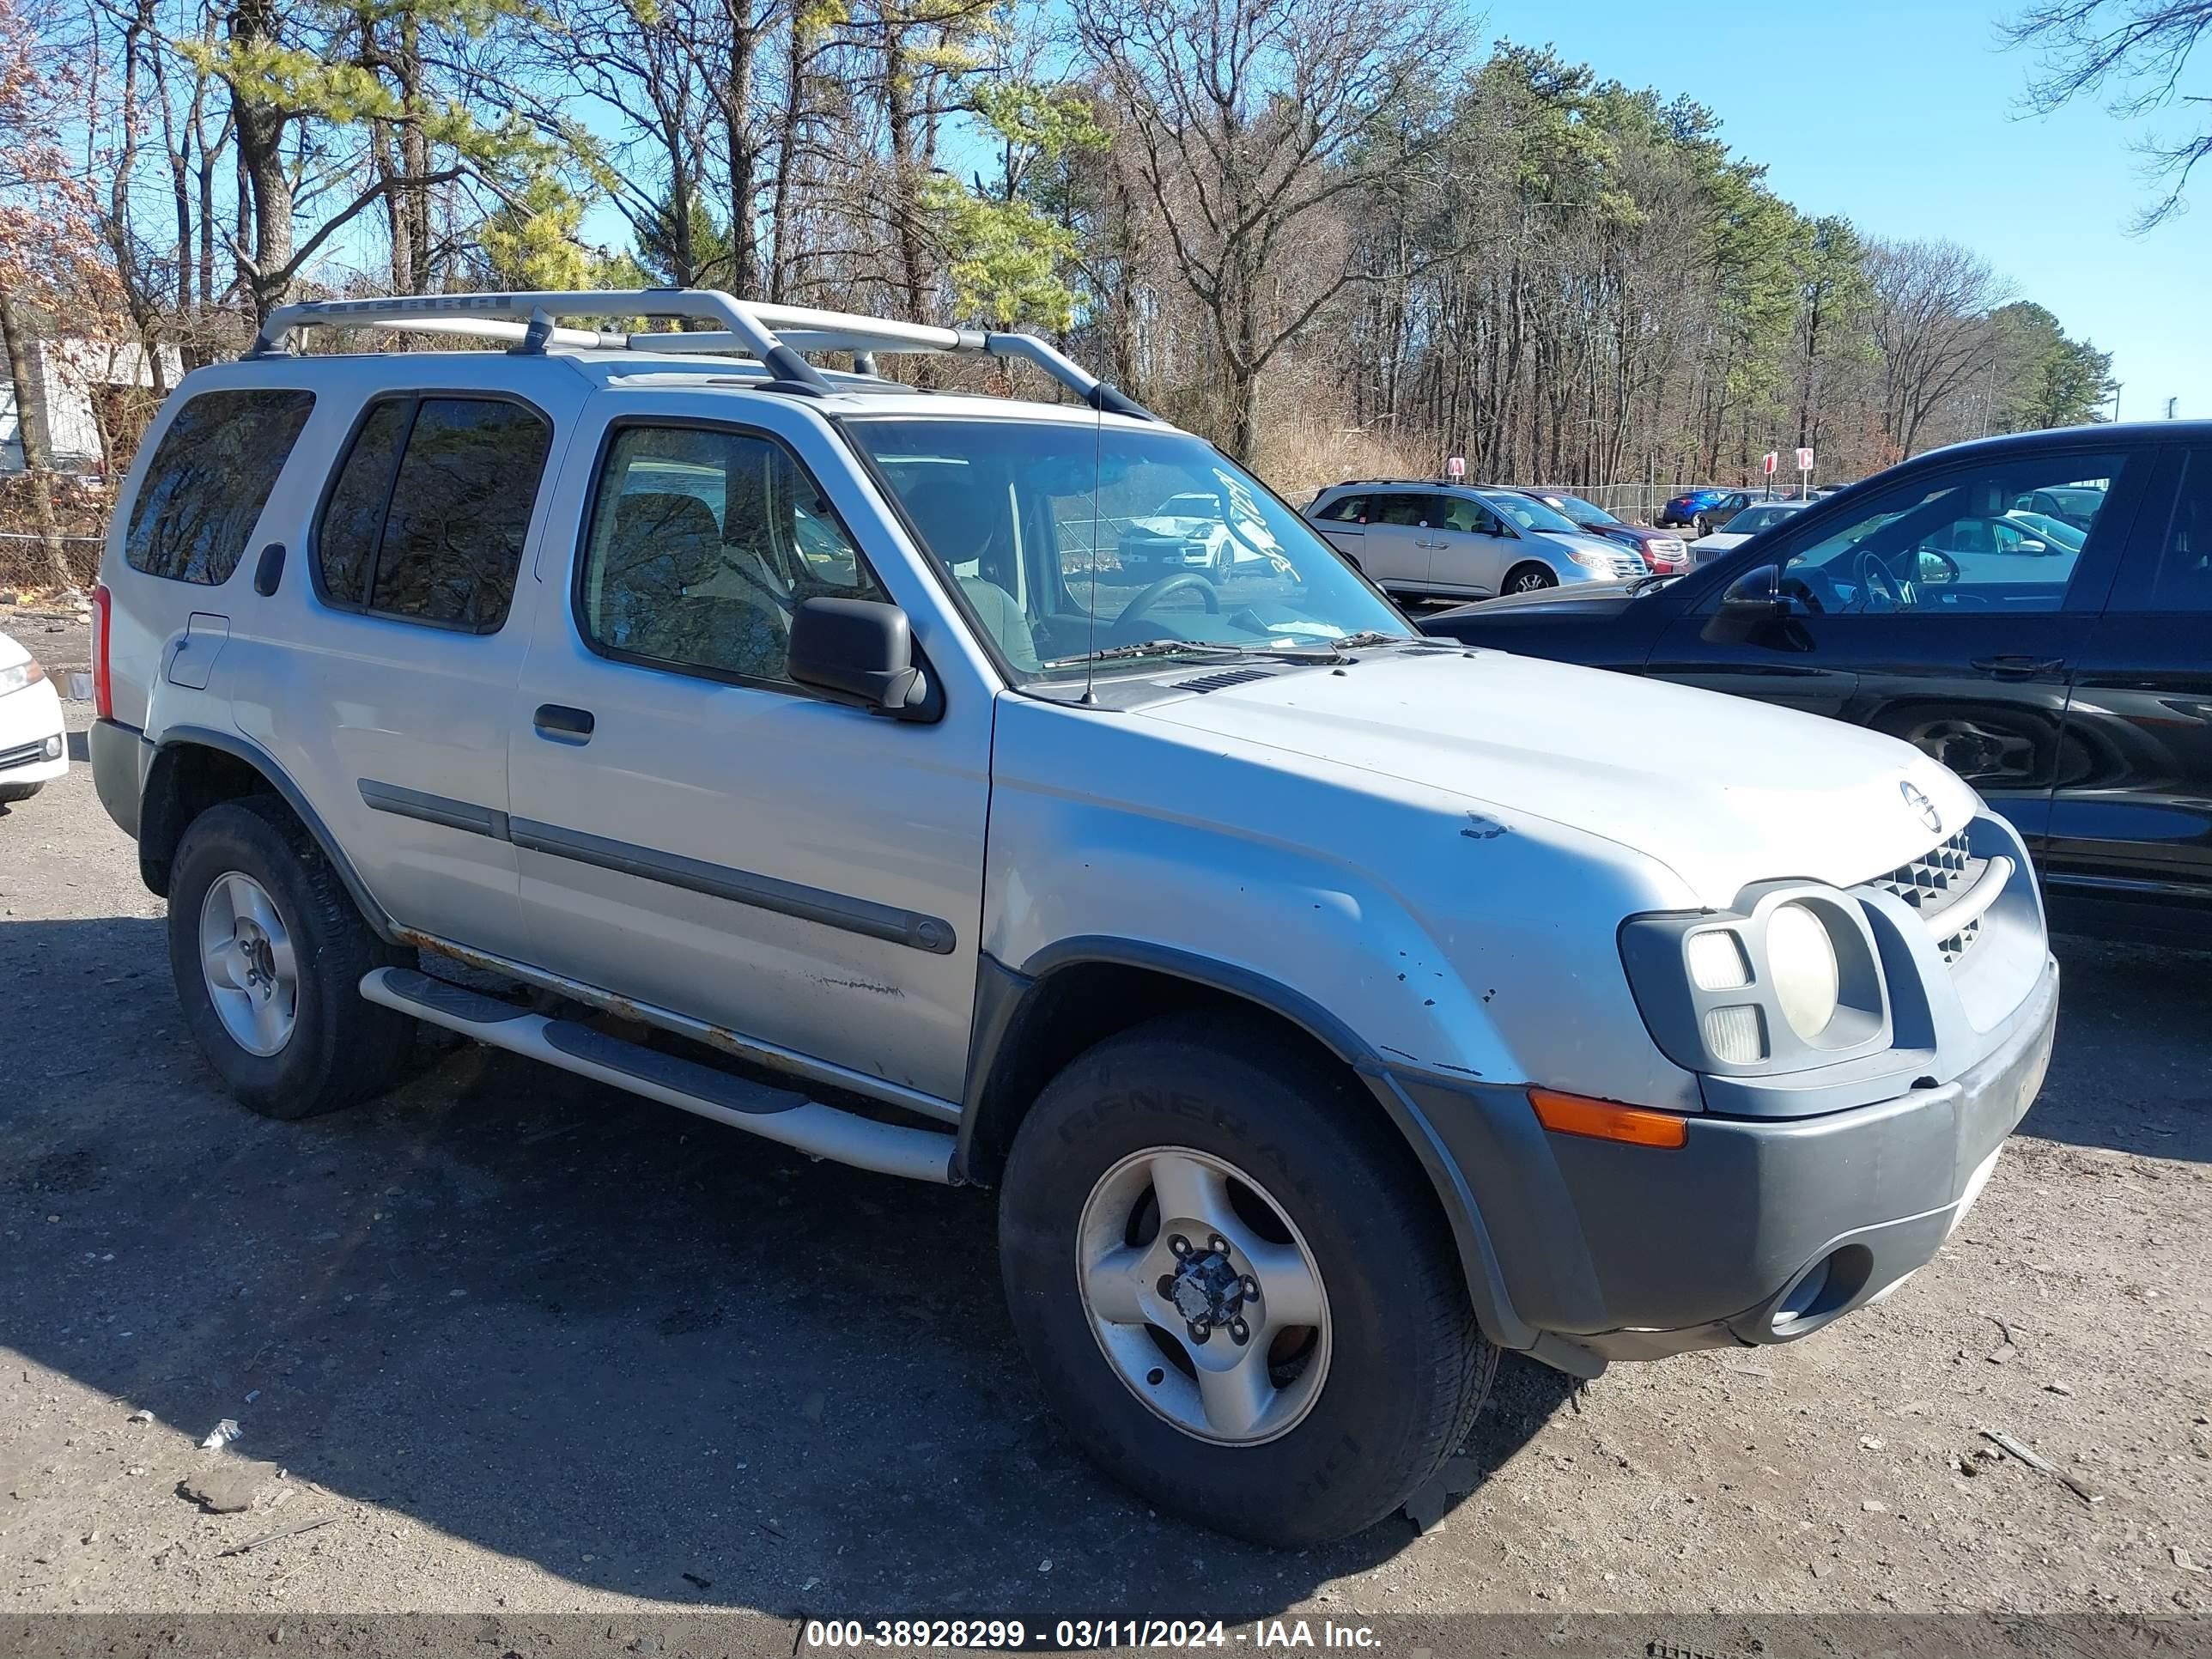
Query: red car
column 1663, row 551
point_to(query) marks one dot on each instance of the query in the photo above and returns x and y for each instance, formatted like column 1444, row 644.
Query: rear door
column 1395, row 553
column 1343, row 522
column 415, row 622
column 2132, row 810
column 1897, row 619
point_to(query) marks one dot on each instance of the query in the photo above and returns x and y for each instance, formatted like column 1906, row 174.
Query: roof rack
column 777, row 335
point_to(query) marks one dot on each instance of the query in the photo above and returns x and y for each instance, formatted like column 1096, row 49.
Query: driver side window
column 701, row 543
column 1972, row 539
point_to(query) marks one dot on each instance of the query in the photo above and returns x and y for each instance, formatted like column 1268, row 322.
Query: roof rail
column 775, row 334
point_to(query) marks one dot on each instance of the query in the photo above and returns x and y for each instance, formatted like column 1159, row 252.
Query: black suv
column 2033, row 611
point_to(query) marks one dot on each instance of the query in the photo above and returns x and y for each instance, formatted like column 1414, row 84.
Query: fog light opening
column 1824, row 1290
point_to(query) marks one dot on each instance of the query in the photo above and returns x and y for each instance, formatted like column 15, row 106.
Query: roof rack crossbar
column 775, row 334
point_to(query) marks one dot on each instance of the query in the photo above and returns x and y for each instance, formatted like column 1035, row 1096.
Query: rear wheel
column 267, row 950
column 1235, row 1285
column 1529, row 578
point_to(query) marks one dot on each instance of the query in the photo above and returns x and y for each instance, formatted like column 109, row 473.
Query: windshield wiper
column 1353, row 641
column 1644, row 582
column 1149, row 648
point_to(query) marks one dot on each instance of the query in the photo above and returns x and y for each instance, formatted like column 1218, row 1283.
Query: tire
column 1403, row 1367
column 337, row 1049
column 12, row 792
column 1529, row 578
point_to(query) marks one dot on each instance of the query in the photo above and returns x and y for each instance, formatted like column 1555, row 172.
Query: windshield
column 1073, row 545
column 1580, row 511
column 1531, row 515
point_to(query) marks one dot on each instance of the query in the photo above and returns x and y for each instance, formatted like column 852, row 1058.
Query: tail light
column 103, row 678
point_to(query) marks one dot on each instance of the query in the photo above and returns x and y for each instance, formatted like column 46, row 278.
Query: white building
column 69, row 380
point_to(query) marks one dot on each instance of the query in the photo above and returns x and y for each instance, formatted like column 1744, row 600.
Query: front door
column 1937, row 613
column 1468, row 548
column 2133, row 806
column 694, row 830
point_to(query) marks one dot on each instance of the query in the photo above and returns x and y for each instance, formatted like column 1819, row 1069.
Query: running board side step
column 778, row 1114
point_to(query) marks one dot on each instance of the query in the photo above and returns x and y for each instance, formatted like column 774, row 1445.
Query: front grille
column 1626, row 564
column 22, row 755
column 1667, row 547
column 1932, row 884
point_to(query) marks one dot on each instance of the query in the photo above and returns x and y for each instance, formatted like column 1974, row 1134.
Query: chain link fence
column 25, row 567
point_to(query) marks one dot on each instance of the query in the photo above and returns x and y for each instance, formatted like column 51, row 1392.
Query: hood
column 1722, row 791
column 1720, row 541
column 1587, row 541
column 1580, row 600
column 12, row 655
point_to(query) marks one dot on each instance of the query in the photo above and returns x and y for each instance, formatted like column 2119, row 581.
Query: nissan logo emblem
column 1920, row 804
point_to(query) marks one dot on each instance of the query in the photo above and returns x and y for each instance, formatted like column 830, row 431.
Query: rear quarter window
column 208, row 480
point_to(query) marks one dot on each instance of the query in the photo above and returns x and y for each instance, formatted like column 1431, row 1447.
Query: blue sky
column 1908, row 120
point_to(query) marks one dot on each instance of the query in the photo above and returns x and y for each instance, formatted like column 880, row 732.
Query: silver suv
column 1330, row 1007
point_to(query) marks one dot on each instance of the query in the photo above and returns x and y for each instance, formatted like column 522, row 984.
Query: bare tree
column 1931, row 306
column 2134, row 50
column 1251, row 117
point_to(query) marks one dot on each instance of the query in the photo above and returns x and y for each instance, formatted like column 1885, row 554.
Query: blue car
column 1702, row 508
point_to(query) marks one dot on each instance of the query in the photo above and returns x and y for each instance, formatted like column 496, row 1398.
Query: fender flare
column 229, row 743
column 1001, row 993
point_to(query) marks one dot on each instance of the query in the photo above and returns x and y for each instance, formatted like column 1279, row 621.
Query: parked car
column 1739, row 528
column 2070, row 683
column 33, row 747
column 1328, row 1008
column 1453, row 541
column 2075, row 506
column 1661, row 552
column 1187, row 533
column 1682, row 512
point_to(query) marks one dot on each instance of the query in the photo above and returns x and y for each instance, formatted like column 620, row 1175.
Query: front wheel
column 12, row 792
column 1529, row 578
column 1235, row 1285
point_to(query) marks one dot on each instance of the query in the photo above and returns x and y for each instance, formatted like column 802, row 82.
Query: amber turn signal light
column 1601, row 1119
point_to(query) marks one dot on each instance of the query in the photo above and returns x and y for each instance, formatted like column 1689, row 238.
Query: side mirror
column 860, row 651
column 1757, row 589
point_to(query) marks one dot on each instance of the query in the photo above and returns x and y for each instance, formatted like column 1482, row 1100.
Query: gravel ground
column 527, row 1345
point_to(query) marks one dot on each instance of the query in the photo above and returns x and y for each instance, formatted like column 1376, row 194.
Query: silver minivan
column 1457, row 541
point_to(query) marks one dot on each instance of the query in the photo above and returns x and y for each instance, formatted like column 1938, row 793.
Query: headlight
column 1802, row 960
column 1788, row 980
column 22, row 674
column 1589, row 560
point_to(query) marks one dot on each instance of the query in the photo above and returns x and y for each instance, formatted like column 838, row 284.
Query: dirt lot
column 532, row 1347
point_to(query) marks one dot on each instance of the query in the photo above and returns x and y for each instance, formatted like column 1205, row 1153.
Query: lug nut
column 1218, row 1244
column 1239, row 1332
column 1199, row 1330
column 1251, row 1288
column 1178, row 1245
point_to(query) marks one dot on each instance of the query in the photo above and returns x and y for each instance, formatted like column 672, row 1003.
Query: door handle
column 2017, row 667
column 561, row 724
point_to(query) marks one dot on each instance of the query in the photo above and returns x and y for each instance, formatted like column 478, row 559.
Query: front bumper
column 1754, row 1230
column 33, row 746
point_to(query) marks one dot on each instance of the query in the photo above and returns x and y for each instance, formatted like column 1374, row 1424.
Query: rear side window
column 2181, row 577
column 208, row 480
column 426, row 517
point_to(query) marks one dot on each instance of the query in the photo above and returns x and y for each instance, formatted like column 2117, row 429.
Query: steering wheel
column 1167, row 584
column 1875, row 582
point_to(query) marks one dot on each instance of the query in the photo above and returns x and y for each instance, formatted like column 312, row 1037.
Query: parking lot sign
column 1457, row 467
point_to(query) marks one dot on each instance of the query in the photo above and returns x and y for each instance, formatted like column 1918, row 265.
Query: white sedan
column 33, row 748
column 1748, row 523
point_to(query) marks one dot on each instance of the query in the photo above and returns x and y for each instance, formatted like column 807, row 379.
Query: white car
column 1329, row 1006
column 1746, row 523
column 33, row 747
column 1186, row 532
